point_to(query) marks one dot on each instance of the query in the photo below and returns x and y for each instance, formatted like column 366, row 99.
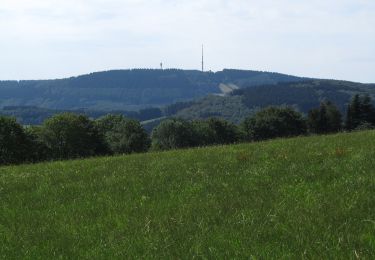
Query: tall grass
column 310, row 197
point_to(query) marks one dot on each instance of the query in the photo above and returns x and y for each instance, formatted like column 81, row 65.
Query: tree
column 107, row 123
column 367, row 109
column 225, row 132
column 360, row 112
column 14, row 147
column 214, row 131
column 38, row 150
column 123, row 135
column 273, row 122
column 69, row 135
column 173, row 134
column 353, row 113
column 203, row 133
column 334, row 118
column 314, row 120
column 325, row 119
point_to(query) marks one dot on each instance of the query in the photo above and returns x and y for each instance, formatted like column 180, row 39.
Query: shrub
column 365, row 126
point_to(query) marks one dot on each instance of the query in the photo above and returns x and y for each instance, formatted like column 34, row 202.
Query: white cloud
column 54, row 38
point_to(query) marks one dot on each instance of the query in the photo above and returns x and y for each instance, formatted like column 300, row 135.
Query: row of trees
column 67, row 135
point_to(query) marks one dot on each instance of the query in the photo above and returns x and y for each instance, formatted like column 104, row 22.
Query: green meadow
column 307, row 197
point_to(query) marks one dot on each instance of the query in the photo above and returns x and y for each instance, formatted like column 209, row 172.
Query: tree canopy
column 123, row 135
column 273, row 122
column 360, row 112
column 13, row 142
column 172, row 134
column 325, row 119
column 69, row 135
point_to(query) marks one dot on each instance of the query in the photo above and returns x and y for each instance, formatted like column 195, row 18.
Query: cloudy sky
column 317, row 38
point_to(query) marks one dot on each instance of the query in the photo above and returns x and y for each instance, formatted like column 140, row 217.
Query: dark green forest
column 303, row 96
column 128, row 89
column 234, row 107
column 153, row 95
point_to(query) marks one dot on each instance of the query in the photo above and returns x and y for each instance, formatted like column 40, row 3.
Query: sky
column 45, row 39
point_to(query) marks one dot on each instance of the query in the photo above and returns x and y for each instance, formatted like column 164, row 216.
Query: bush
column 273, row 122
column 365, row 126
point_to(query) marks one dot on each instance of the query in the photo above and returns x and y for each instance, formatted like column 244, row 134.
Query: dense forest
column 128, row 89
column 303, row 96
column 233, row 107
column 151, row 96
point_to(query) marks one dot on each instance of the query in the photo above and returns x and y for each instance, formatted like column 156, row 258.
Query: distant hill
column 235, row 106
column 130, row 89
column 147, row 95
column 303, row 95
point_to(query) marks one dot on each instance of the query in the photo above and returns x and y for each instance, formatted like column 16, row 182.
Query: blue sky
column 43, row 39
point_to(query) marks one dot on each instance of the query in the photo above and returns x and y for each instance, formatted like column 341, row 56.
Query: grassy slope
column 309, row 197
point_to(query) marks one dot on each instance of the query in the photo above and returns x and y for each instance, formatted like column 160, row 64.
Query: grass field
column 311, row 197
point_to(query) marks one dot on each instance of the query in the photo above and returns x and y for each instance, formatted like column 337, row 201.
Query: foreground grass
column 299, row 198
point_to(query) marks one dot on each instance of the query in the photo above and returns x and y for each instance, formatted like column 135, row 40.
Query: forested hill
column 130, row 89
column 303, row 95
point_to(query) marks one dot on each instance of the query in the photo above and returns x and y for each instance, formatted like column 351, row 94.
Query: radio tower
column 202, row 59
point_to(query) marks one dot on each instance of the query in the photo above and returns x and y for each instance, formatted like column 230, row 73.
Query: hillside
column 228, row 94
column 303, row 95
column 309, row 197
column 234, row 106
column 129, row 89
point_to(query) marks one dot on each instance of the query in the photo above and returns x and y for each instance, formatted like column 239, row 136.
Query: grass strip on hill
column 309, row 197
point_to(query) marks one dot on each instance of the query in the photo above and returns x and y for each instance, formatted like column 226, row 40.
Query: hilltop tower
column 202, row 59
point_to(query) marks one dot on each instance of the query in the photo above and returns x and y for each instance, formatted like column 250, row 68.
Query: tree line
column 70, row 136
column 31, row 115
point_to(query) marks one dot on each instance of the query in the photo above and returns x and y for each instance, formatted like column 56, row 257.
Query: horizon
column 53, row 39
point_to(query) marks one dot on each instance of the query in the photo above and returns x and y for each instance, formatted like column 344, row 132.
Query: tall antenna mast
column 202, row 59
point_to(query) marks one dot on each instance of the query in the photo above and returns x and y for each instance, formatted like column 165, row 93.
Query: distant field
column 311, row 197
